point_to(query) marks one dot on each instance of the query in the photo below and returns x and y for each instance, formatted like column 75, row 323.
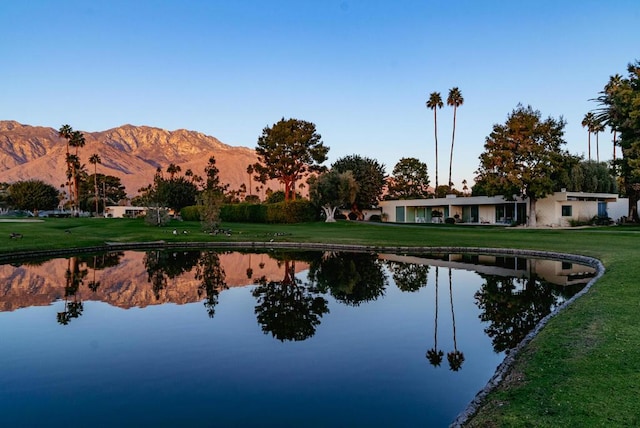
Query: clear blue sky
column 361, row 70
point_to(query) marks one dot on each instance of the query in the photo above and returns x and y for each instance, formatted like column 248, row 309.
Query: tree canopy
column 331, row 190
column 33, row 195
column 619, row 108
column 287, row 151
column 410, row 180
column 370, row 176
column 522, row 155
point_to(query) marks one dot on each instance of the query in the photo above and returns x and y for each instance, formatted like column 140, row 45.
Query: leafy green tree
column 174, row 192
column 455, row 100
column 287, row 151
column 110, row 191
column 410, row 180
column 33, row 195
column 211, row 198
column 522, row 156
column 331, row 190
column 578, row 175
column 619, row 101
column 434, row 103
column 369, row 175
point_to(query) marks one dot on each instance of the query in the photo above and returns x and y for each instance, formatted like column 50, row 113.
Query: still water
column 204, row 338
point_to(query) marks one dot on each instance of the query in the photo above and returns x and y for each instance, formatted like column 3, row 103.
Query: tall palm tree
column 598, row 127
column 434, row 103
column 95, row 160
column 587, row 122
column 607, row 115
column 65, row 132
column 455, row 100
column 77, row 140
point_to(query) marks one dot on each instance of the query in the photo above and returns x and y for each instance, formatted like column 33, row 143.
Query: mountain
column 132, row 153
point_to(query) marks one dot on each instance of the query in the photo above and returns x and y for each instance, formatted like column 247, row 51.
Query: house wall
column 117, row 211
column 548, row 210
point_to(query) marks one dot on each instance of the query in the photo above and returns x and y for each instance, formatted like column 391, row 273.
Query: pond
column 281, row 338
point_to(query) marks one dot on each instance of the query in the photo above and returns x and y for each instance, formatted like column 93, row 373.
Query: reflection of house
column 116, row 211
column 554, row 271
column 558, row 209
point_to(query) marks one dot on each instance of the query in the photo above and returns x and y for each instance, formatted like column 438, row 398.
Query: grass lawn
column 583, row 369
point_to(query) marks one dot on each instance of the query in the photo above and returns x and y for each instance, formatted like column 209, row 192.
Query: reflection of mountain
column 125, row 285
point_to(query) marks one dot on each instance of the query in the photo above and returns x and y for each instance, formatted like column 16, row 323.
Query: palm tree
column 95, row 160
column 455, row 100
column 606, row 115
column 65, row 132
column 587, row 122
column 173, row 169
column 434, row 103
column 77, row 140
column 598, row 127
column 250, row 172
column 434, row 355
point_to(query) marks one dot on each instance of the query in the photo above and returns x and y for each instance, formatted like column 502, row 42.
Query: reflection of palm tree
column 93, row 285
column 455, row 358
column 434, row 355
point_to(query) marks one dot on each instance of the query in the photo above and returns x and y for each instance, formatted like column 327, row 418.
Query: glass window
column 567, row 211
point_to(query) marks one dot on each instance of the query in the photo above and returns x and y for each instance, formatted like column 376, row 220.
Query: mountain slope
column 132, row 153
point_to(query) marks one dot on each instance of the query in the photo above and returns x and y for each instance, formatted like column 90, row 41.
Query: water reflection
column 246, row 332
column 292, row 288
column 287, row 308
column 351, row 278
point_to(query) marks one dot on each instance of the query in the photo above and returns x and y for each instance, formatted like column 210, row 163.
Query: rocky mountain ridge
column 130, row 152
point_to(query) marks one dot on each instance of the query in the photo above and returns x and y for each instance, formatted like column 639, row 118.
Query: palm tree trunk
column 597, row 148
column 589, row 140
column 453, row 137
column 435, row 127
column 614, row 144
column 95, row 185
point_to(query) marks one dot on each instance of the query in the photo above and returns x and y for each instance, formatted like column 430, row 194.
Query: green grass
column 583, row 369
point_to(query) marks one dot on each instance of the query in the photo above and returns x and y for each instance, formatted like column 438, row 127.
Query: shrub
column 157, row 217
column 244, row 212
column 376, row 218
column 190, row 213
column 298, row 211
column 340, row 216
column 450, row 220
column 353, row 216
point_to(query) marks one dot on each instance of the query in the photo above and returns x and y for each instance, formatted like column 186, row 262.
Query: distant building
column 556, row 210
column 116, row 211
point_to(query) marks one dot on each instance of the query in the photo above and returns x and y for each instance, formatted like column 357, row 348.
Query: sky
column 360, row 70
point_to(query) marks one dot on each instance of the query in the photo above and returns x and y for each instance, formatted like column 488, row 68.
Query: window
column 567, row 211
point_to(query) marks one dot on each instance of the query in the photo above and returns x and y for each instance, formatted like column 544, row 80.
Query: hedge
column 298, row 211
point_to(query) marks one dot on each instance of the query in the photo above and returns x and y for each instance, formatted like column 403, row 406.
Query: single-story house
column 117, row 211
column 557, row 209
